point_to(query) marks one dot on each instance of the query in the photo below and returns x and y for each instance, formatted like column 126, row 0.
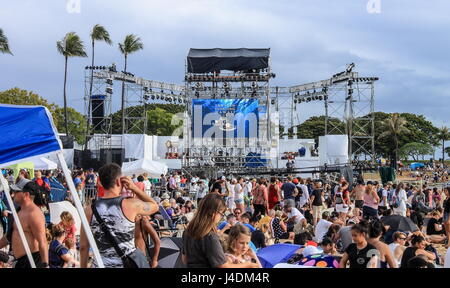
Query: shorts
column 285, row 235
column 23, row 262
column 239, row 201
column 317, row 211
column 369, row 212
column 359, row 204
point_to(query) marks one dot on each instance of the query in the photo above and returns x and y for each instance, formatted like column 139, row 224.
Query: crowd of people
column 224, row 222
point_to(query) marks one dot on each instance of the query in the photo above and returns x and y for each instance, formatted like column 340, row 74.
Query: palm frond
column 99, row 33
column 71, row 46
column 131, row 44
column 4, row 44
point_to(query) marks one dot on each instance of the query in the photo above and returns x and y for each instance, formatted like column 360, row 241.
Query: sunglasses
column 402, row 238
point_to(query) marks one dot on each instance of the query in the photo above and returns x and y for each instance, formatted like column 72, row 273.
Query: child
column 70, row 245
column 68, row 223
column 238, row 249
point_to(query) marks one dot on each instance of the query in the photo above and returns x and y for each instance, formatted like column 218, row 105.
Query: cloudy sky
column 406, row 45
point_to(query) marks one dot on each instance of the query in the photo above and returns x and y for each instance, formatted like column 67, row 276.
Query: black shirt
column 447, row 206
column 258, row 239
column 409, row 253
column 431, row 230
column 317, row 197
column 360, row 258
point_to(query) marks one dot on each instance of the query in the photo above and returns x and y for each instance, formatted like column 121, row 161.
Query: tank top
column 369, row 201
column 409, row 253
column 110, row 210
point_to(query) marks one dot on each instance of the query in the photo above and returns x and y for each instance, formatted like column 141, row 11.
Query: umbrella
column 170, row 253
column 278, row 253
column 57, row 208
column 319, row 260
column 399, row 223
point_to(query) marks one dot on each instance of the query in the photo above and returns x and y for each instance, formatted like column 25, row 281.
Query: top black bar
column 217, row 59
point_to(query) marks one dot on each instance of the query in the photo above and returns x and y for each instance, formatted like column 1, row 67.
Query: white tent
column 57, row 208
column 42, row 163
column 152, row 168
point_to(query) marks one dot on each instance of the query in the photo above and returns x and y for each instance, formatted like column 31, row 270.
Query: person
column 140, row 183
column 238, row 249
column 78, row 178
column 274, row 193
column 258, row 237
column 4, row 259
column 43, row 198
column 386, row 258
column 68, row 222
column 201, row 243
column 202, row 190
column 246, row 219
column 289, row 189
column 328, row 246
column 70, row 245
column 278, row 228
column 419, row 262
column 100, row 189
column 58, row 254
column 371, row 200
column 434, row 228
column 383, row 205
column 224, row 226
column 90, row 179
column 345, row 234
column 446, row 218
column 447, row 259
column 239, row 194
column 163, row 183
column 148, row 184
column 322, row 227
column 418, row 248
column 317, row 202
column 143, row 230
column 116, row 212
column 33, row 225
column 398, row 246
column 360, row 253
column 295, row 217
column 342, row 202
column 399, row 201
column 261, row 199
column 358, row 192
column 303, row 192
column 237, row 213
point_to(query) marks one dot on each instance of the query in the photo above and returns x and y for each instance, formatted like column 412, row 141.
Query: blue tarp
column 26, row 131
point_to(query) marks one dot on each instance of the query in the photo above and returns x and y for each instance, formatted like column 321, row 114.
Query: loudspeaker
column 115, row 155
column 98, row 111
column 67, row 141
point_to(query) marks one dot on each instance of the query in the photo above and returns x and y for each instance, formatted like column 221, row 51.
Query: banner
column 225, row 118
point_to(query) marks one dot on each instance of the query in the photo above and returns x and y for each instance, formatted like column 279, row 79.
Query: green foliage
column 131, row 44
column 447, row 150
column 414, row 150
column 77, row 121
column 99, row 33
column 71, row 46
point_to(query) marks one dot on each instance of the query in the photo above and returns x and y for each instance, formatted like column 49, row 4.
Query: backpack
column 43, row 196
column 395, row 202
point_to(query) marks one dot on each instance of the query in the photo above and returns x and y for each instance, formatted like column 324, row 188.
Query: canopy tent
column 42, row 163
column 19, row 141
column 57, row 208
column 416, row 165
column 29, row 166
column 152, row 168
column 241, row 59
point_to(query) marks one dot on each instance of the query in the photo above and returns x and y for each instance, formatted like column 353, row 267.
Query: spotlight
column 295, row 101
column 157, row 97
column 272, row 102
column 109, row 81
column 145, row 88
column 153, row 97
column 109, row 90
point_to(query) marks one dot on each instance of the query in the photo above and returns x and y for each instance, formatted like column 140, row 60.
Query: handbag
column 135, row 259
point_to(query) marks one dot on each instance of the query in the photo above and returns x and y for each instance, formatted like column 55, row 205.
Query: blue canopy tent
column 416, row 165
column 29, row 131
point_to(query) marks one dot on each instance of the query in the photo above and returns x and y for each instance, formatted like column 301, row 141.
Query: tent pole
column 16, row 220
column 79, row 206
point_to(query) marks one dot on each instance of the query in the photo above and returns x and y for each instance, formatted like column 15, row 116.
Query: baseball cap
column 20, row 184
column 295, row 181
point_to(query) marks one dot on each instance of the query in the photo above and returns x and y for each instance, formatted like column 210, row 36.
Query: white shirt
column 148, row 187
column 402, row 199
column 294, row 212
column 305, row 196
column 384, row 193
column 248, row 189
column 238, row 194
column 321, row 229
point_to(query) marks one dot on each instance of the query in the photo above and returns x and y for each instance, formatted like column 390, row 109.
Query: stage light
column 145, row 88
column 109, row 90
column 109, row 81
column 272, row 101
column 153, row 97
column 157, row 97
column 197, row 95
column 180, row 101
column 146, row 97
column 295, row 101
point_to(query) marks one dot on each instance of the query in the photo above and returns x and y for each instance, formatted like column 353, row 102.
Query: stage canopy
column 152, row 168
column 241, row 59
column 26, row 131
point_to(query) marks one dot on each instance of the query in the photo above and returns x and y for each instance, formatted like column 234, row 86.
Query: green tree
column 4, row 44
column 415, row 150
column 70, row 46
column 18, row 96
column 443, row 135
column 314, row 127
column 447, row 150
column 98, row 33
column 161, row 122
column 131, row 44
column 393, row 127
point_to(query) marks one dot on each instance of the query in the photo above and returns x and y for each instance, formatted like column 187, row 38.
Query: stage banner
column 225, row 118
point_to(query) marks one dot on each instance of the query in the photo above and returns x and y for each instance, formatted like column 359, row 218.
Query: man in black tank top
column 118, row 213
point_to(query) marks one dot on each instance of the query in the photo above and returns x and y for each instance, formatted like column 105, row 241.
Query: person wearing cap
column 33, row 225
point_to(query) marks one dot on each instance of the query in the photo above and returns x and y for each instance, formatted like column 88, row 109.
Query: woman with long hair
column 274, row 193
column 371, row 200
column 399, row 200
column 201, row 243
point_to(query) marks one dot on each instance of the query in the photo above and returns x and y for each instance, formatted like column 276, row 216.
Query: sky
column 405, row 44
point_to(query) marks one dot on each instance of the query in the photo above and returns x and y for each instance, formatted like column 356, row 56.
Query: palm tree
column 394, row 127
column 98, row 33
column 70, row 46
column 131, row 44
column 443, row 135
column 4, row 46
